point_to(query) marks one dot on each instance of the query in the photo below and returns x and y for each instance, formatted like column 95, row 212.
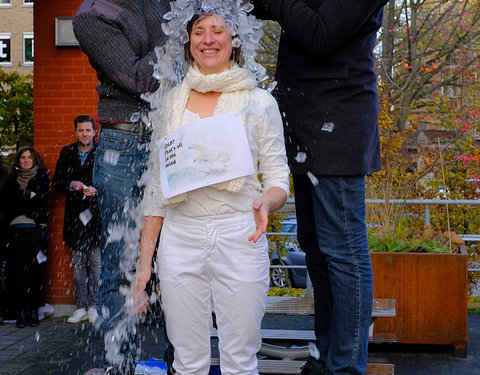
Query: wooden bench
column 382, row 307
column 305, row 307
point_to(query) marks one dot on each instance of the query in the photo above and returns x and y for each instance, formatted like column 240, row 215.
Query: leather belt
column 135, row 128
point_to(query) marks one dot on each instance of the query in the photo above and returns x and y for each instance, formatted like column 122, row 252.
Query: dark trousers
column 332, row 232
column 24, row 273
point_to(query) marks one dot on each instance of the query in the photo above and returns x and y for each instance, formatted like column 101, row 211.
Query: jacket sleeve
column 39, row 201
column 321, row 31
column 272, row 158
column 61, row 178
column 108, row 49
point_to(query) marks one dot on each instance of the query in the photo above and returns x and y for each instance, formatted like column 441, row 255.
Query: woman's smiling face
column 211, row 44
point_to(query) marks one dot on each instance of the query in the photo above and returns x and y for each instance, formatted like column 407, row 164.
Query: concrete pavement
column 59, row 348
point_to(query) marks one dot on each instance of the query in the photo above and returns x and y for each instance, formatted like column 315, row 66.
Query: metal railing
column 308, row 287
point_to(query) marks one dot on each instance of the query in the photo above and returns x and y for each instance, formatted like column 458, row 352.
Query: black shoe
column 307, row 370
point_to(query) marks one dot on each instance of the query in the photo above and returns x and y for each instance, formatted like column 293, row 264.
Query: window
column 27, row 48
column 5, row 49
column 28, row 3
column 5, row 4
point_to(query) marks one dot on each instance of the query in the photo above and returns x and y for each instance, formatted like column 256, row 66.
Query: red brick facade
column 64, row 87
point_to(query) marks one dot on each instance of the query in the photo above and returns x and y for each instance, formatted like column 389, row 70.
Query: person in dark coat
column 3, row 250
column 327, row 92
column 24, row 195
column 81, row 224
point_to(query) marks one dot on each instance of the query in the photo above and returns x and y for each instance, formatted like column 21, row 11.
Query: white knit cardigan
column 259, row 111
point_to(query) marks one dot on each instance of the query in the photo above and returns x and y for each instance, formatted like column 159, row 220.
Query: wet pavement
column 56, row 347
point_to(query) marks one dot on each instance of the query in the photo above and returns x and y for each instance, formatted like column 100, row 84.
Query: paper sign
column 204, row 152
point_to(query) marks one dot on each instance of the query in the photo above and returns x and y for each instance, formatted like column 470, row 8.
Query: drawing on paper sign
column 204, row 152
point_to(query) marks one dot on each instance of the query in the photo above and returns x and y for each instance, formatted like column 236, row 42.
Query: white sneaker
column 48, row 309
column 44, row 311
column 92, row 315
column 78, row 316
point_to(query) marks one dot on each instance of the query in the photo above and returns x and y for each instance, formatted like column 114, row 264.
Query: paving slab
column 56, row 347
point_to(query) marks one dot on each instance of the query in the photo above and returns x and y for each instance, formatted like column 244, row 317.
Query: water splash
column 115, row 232
column 41, row 257
column 111, row 157
column 313, row 350
column 85, row 216
column 301, row 157
column 328, row 127
column 312, row 178
column 272, row 86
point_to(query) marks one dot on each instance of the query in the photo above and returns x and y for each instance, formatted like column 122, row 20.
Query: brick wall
column 64, row 87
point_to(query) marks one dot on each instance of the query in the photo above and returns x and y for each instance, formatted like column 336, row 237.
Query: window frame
column 4, row 36
column 6, row 5
column 25, row 4
column 26, row 36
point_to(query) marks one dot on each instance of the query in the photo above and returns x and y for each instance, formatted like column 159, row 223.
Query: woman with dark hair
column 25, row 195
column 213, row 250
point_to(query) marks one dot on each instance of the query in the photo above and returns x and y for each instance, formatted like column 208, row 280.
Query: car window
column 289, row 227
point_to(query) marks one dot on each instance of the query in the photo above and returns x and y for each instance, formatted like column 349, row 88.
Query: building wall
column 64, row 87
column 16, row 22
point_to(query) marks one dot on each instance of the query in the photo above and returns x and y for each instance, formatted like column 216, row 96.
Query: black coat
column 18, row 203
column 327, row 83
column 3, row 178
column 68, row 169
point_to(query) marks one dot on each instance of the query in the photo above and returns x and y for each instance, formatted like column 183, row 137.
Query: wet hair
column 235, row 56
column 37, row 160
column 84, row 118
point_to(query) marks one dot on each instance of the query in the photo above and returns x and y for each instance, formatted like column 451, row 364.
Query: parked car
column 294, row 257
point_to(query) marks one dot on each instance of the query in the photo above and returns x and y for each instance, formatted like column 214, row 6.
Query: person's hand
column 89, row 191
column 140, row 297
column 260, row 210
column 77, row 185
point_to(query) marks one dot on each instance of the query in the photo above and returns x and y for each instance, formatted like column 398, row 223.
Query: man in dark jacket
column 81, row 224
column 327, row 92
column 119, row 37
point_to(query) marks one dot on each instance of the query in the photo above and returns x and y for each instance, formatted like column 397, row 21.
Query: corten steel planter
column 431, row 297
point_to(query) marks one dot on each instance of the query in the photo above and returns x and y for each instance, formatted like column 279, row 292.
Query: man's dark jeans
column 332, row 232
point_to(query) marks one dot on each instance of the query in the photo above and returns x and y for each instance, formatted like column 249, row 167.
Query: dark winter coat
column 68, row 169
column 327, row 83
column 3, row 178
column 18, row 203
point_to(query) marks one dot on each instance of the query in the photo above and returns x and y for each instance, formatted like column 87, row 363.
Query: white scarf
column 234, row 84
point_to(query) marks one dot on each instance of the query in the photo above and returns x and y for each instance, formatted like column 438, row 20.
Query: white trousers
column 205, row 261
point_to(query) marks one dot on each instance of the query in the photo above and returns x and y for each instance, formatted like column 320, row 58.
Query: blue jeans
column 86, row 272
column 120, row 160
column 332, row 232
